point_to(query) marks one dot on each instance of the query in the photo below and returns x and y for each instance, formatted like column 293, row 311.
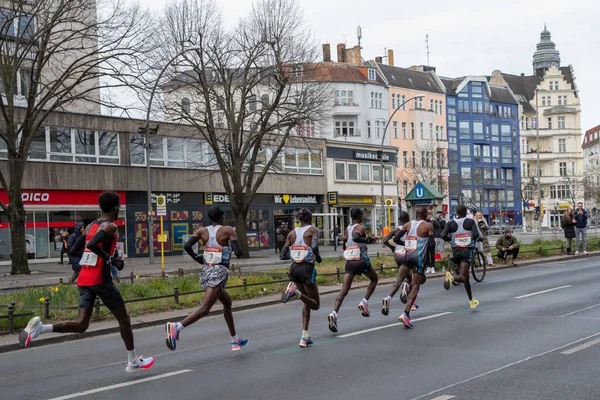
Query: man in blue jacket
column 75, row 258
column 580, row 217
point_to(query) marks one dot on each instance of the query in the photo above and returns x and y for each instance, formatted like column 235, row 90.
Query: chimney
column 522, row 74
column 341, row 52
column 391, row 57
column 357, row 55
column 378, row 60
column 326, row 52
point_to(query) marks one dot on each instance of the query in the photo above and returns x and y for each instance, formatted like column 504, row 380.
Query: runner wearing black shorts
column 302, row 247
column 95, row 280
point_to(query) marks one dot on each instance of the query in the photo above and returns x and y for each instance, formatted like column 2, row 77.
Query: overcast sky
column 468, row 37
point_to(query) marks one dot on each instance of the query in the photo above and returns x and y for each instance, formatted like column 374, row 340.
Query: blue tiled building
column 483, row 148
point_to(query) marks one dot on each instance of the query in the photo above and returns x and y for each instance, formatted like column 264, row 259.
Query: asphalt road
column 536, row 335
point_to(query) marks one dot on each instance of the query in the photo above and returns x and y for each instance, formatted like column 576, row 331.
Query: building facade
column 591, row 161
column 483, row 148
column 548, row 100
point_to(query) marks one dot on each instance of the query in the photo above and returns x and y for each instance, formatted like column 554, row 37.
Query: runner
column 357, row 263
column 418, row 238
column 218, row 243
column 404, row 277
column 95, row 280
column 304, row 244
column 464, row 233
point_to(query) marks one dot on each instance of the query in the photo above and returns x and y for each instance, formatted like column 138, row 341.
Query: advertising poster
column 178, row 230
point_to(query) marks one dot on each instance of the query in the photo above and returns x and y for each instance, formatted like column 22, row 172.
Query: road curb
column 146, row 324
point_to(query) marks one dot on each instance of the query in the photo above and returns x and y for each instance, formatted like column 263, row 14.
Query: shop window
column 376, row 173
column 340, row 171
column 353, row 172
column 365, row 172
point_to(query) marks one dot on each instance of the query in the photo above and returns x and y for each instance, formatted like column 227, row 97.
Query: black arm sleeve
column 94, row 244
column 237, row 249
column 398, row 237
column 285, row 254
column 315, row 248
column 189, row 248
column 78, row 247
column 357, row 238
column 447, row 230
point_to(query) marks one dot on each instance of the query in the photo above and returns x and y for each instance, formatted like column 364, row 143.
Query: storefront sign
column 369, row 155
column 172, row 198
column 293, row 199
column 59, row 197
column 564, row 206
column 211, row 198
column 354, row 200
column 332, row 198
column 161, row 206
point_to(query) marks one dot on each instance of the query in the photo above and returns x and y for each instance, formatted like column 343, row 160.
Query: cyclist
column 463, row 233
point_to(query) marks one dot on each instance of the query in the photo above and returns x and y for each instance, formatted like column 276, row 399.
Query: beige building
column 549, row 100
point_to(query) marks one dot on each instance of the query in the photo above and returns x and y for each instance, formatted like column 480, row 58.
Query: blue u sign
column 419, row 192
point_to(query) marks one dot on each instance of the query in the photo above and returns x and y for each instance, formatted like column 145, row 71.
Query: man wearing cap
column 507, row 245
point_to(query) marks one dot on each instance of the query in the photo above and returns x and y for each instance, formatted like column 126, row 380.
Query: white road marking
column 578, row 311
column 444, row 397
column 120, row 385
column 391, row 325
column 512, row 364
column 543, row 291
column 581, row 347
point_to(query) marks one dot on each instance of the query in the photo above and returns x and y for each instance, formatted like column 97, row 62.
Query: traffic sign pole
column 162, row 245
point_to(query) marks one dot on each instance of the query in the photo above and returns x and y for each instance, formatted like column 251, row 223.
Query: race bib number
column 352, row 253
column 213, row 255
column 400, row 250
column 88, row 259
column 299, row 253
column 411, row 243
column 462, row 240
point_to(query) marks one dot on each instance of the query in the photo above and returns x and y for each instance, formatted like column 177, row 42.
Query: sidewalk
column 49, row 273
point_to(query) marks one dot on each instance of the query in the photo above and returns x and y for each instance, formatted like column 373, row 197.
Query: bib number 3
column 213, row 255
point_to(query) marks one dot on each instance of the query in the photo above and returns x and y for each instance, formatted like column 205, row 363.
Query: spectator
column 63, row 250
column 507, row 245
column 438, row 227
column 568, row 224
column 581, row 217
column 74, row 258
column 485, row 245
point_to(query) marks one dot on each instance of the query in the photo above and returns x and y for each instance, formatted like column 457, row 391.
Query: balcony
column 340, row 108
column 532, row 155
column 545, row 132
column 352, row 133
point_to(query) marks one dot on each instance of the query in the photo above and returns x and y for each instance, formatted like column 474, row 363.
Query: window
column 395, row 126
column 465, row 174
column 546, row 100
column 340, row 171
column 365, row 172
column 405, row 188
column 376, row 172
column 372, row 75
column 464, row 130
column 477, row 153
column 353, row 172
column 252, row 103
column 388, row 174
column 553, row 85
column 430, row 131
column 506, row 132
column 562, row 145
column 562, row 168
column 465, row 152
column 549, row 122
column 561, row 122
column 431, row 106
column 414, row 159
column 463, row 105
column 380, row 101
column 403, row 103
column 534, row 123
column 405, row 158
column 379, row 128
column 422, row 126
column 404, row 130
column 560, row 192
column 344, row 128
column 75, row 145
column 477, row 106
column 507, row 154
column 185, row 105
column 373, row 99
column 486, row 153
column 412, row 130
column 562, row 100
column 394, row 101
column 441, row 107
column 495, row 154
column 477, row 130
column 368, row 129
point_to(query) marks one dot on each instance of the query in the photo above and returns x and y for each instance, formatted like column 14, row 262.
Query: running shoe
column 333, row 323
column 474, row 303
column 305, row 342
column 172, row 336
column 448, row 280
column 364, row 308
column 142, row 363
column 414, row 307
column 405, row 320
column 31, row 331
column 290, row 293
column 404, row 291
column 385, row 310
column 238, row 344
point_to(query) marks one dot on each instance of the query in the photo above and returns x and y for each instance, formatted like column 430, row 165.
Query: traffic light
column 537, row 210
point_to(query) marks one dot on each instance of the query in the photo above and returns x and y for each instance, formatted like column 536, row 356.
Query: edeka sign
column 210, row 198
column 294, row 199
column 369, row 155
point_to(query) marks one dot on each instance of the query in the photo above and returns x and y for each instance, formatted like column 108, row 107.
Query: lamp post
column 147, row 131
column 382, row 174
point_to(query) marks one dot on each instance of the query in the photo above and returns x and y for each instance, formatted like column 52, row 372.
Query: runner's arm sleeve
column 359, row 239
column 446, row 231
column 94, row 244
column 398, row 237
column 386, row 240
column 285, row 253
column 315, row 248
column 237, row 249
column 189, row 248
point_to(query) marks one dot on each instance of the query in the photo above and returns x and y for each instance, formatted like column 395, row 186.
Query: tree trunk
column 16, row 217
column 240, row 229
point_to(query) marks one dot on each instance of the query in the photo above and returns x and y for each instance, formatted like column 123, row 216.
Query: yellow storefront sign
column 354, row 200
column 162, row 238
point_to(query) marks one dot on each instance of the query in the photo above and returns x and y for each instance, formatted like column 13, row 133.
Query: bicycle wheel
column 478, row 266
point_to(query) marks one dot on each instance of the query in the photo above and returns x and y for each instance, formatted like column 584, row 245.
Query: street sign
column 162, row 238
column 332, row 198
column 161, row 206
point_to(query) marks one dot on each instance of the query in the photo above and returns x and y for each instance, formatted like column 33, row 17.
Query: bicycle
column 478, row 265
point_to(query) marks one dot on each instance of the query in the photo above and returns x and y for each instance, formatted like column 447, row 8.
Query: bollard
column 97, row 307
column 131, row 276
column 245, row 283
column 181, row 272
column 377, row 254
column 176, row 294
column 47, row 308
column 562, row 248
column 11, row 317
column 337, row 273
column 381, row 268
column 60, row 281
column 164, row 274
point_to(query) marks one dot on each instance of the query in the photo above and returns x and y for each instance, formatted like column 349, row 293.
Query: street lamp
column 537, row 128
column 147, row 131
column 382, row 173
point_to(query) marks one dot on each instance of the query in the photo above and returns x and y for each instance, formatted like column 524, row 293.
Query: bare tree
column 575, row 188
column 591, row 186
column 429, row 165
column 56, row 55
column 250, row 92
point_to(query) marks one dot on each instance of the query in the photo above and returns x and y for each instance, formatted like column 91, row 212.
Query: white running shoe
column 31, row 331
column 576, row 253
column 142, row 363
column 585, row 252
